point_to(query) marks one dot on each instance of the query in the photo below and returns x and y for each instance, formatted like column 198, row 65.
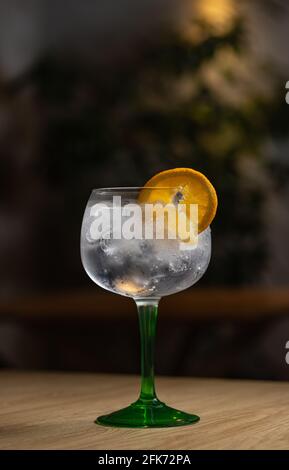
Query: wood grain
column 191, row 304
column 57, row 410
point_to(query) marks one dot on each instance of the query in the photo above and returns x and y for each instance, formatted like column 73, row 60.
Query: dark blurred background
column 108, row 93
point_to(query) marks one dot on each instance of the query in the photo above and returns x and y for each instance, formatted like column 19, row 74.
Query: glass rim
column 132, row 189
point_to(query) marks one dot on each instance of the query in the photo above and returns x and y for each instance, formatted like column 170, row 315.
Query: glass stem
column 147, row 314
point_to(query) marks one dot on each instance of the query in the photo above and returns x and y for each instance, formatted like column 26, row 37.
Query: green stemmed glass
column 119, row 256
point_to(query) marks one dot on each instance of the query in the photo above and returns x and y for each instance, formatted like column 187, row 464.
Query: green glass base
column 153, row 414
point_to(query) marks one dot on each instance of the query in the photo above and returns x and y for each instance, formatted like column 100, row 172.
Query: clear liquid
column 144, row 268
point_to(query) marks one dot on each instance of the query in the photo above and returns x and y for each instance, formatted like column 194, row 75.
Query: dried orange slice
column 186, row 186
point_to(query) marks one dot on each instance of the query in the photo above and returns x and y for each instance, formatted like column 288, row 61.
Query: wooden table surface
column 56, row 411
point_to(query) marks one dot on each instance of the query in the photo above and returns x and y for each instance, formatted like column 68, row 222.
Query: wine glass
column 124, row 253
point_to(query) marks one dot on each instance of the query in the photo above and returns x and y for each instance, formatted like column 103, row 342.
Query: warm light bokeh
column 219, row 14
